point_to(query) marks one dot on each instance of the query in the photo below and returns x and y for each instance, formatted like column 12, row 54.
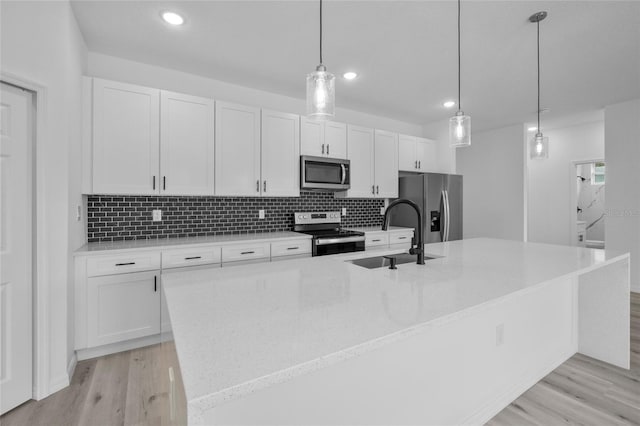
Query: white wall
column 552, row 182
column 622, row 155
column 41, row 43
column 494, row 171
column 113, row 68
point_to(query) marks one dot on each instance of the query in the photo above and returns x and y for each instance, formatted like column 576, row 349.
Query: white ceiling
column 405, row 51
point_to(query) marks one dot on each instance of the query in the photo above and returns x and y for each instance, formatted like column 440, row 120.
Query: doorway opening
column 590, row 184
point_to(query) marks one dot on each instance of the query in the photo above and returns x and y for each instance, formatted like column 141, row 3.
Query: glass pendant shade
column 460, row 130
column 539, row 147
column 321, row 96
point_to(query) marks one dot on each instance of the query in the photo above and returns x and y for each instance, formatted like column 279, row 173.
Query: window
column 597, row 173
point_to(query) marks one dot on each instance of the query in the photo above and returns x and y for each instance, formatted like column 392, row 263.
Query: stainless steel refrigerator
column 439, row 196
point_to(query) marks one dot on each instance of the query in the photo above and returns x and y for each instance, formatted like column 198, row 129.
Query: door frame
column 40, row 310
column 574, row 196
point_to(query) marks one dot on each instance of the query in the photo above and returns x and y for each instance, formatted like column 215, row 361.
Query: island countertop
column 241, row 329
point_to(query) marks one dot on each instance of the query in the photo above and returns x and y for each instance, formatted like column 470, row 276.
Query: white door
column 407, row 159
column 237, row 162
column 335, row 138
column 123, row 307
column 427, row 155
column 126, row 138
column 15, row 246
column 360, row 152
column 280, row 154
column 186, row 144
column 312, row 137
column 386, row 164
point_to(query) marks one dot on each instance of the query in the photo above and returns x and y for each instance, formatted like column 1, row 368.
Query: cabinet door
column 280, row 154
column 386, row 164
column 311, row 137
column 407, row 160
column 335, row 139
column 122, row 307
column 186, row 145
column 360, row 152
column 237, row 162
column 427, row 155
column 126, row 138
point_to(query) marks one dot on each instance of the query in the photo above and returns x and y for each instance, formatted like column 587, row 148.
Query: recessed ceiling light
column 532, row 129
column 172, row 18
column 350, row 75
column 449, row 104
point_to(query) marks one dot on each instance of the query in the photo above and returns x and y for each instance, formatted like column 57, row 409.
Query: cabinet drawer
column 377, row 239
column 191, row 256
column 400, row 238
column 290, row 248
column 121, row 263
column 237, row 252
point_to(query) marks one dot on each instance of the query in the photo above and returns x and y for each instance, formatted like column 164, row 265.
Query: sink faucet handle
column 393, row 261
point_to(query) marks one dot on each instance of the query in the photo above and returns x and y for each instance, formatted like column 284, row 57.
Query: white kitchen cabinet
column 237, row 162
column 416, row 154
column 125, row 142
column 323, row 138
column 386, row 164
column 360, row 151
column 122, row 307
column 186, row 145
column 280, row 147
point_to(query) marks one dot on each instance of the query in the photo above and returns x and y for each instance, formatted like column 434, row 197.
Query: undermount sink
column 382, row 261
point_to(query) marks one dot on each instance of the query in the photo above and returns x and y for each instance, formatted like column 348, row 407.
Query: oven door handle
column 344, row 173
column 326, row 241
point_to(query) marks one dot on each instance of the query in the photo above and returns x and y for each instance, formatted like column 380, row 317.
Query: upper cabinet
column 416, row 154
column 256, row 157
column 280, row 154
column 126, row 138
column 374, row 163
column 186, row 144
column 323, row 138
column 147, row 141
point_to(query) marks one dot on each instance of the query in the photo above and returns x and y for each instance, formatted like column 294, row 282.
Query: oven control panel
column 316, row 217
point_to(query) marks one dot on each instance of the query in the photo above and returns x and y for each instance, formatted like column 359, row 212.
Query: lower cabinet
column 122, row 307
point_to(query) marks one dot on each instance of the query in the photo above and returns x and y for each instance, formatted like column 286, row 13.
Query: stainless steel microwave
column 322, row 173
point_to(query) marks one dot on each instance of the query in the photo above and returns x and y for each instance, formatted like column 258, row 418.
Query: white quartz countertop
column 166, row 243
column 243, row 328
column 378, row 229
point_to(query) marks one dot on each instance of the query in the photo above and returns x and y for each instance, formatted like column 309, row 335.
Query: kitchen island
column 324, row 341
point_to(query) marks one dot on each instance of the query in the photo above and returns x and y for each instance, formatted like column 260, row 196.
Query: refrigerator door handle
column 447, row 215
column 443, row 216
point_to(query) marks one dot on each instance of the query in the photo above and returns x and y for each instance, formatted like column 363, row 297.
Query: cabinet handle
column 264, row 186
column 293, row 248
column 155, row 283
column 258, row 186
column 193, row 257
column 377, row 189
column 164, row 183
column 248, row 252
column 402, row 238
column 154, row 182
column 327, row 149
column 323, row 149
column 373, row 189
column 416, row 166
column 125, row 264
column 419, row 164
column 375, row 241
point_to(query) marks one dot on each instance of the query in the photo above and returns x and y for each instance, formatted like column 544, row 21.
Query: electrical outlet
column 78, row 213
column 260, row 214
column 157, row 215
column 499, row 334
column 382, row 209
column 344, row 211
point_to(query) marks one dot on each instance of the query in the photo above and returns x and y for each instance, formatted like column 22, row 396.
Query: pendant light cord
column 538, row 28
column 459, row 58
column 320, row 32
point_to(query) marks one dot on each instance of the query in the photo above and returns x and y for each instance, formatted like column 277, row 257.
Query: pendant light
column 321, row 88
column 460, row 124
column 539, row 145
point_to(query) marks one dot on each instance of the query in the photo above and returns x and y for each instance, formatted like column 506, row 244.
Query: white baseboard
column 490, row 410
column 113, row 348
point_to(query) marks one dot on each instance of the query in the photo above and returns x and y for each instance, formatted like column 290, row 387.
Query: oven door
column 324, row 173
column 325, row 246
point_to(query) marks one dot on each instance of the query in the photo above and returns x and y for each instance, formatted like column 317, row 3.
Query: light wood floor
column 122, row 389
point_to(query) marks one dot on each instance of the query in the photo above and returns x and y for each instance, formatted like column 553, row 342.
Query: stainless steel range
column 328, row 236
